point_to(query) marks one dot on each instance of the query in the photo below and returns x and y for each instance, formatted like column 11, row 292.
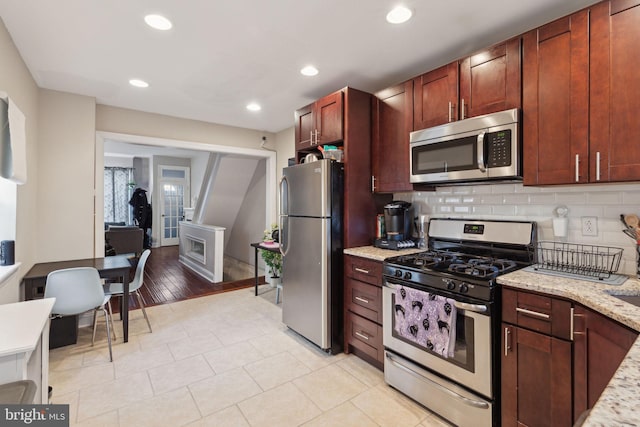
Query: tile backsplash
column 514, row 201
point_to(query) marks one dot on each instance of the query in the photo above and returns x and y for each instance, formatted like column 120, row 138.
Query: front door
column 174, row 187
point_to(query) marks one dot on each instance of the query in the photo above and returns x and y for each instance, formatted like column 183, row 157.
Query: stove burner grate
column 430, row 258
column 483, row 267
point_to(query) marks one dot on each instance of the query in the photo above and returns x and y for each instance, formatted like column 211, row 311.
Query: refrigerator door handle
column 284, row 212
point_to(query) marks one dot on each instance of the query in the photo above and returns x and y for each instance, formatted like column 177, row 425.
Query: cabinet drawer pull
column 361, row 270
column 532, row 313
column 361, row 335
column 366, row 301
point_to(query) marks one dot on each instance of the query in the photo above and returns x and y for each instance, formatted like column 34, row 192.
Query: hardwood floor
column 166, row 280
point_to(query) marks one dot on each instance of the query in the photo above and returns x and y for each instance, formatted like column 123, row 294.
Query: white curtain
column 118, row 187
column 13, row 149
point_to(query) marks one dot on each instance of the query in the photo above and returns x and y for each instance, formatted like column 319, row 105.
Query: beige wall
column 17, row 82
column 285, row 147
column 66, row 153
column 131, row 122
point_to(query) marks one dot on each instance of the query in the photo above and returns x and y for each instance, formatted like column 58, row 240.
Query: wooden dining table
column 111, row 267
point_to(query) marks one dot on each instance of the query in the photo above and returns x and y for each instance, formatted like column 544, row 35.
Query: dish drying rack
column 583, row 260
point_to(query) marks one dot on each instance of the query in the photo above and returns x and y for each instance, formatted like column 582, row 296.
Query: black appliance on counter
column 398, row 218
column 460, row 268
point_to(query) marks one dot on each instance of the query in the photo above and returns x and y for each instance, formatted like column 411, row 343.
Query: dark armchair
column 124, row 240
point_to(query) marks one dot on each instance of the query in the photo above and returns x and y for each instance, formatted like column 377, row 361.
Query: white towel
column 13, row 153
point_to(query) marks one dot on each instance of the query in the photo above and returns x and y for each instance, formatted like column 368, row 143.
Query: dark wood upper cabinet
column 490, row 80
column 304, row 127
column 615, row 85
column 392, row 123
column 579, row 114
column 435, row 98
column 329, row 114
column 556, row 102
column 485, row 82
column 320, row 123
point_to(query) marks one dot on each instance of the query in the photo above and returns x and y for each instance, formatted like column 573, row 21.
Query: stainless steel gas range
column 441, row 315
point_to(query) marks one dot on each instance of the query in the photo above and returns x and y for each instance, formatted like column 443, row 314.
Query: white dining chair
column 116, row 289
column 78, row 290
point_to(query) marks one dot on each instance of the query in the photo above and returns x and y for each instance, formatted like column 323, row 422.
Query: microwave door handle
column 480, row 151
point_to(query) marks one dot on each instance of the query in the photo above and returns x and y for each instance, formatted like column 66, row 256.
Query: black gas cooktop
column 458, row 263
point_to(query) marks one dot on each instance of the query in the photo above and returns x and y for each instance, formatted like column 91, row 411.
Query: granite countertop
column 619, row 402
column 379, row 254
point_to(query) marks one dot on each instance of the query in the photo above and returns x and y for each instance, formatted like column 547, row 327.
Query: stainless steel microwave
column 482, row 148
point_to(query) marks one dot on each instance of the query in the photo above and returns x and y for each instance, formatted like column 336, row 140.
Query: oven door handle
column 466, row 400
column 477, row 308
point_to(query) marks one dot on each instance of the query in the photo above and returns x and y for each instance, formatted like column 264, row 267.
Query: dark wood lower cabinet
column 557, row 358
column 536, row 379
column 363, row 309
column 600, row 346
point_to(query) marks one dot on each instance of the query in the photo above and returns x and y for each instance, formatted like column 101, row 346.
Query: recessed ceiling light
column 158, row 22
column 254, row 107
column 398, row 15
column 138, row 83
column 309, row 70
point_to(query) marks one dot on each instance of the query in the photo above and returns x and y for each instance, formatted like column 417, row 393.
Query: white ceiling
column 221, row 55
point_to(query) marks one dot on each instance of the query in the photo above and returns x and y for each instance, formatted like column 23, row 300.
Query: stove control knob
column 464, row 288
column 451, row 285
column 398, row 273
column 407, row 275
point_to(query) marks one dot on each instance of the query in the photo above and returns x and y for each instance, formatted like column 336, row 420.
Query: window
column 118, row 188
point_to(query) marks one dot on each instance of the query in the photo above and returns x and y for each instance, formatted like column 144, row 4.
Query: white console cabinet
column 24, row 344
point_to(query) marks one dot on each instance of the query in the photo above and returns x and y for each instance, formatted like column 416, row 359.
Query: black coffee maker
column 398, row 218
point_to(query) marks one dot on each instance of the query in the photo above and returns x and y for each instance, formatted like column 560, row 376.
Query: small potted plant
column 272, row 259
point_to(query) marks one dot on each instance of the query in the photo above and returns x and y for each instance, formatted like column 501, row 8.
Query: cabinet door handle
column 577, row 167
column 311, row 137
column 361, row 335
column 597, row 166
column 532, row 313
column 317, row 137
column 462, row 109
column 361, row 270
column 507, row 347
column 450, row 112
column 373, row 184
column 366, row 301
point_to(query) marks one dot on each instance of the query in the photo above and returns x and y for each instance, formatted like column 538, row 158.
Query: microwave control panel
column 499, row 148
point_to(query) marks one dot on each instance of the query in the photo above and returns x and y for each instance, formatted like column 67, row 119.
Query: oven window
column 455, row 155
column 463, row 353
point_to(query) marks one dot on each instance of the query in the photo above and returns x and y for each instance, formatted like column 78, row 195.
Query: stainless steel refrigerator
column 311, row 243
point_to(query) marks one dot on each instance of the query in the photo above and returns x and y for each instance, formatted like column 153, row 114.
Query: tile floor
column 221, row 360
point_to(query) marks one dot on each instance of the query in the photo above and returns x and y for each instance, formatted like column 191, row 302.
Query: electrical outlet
column 589, row 226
